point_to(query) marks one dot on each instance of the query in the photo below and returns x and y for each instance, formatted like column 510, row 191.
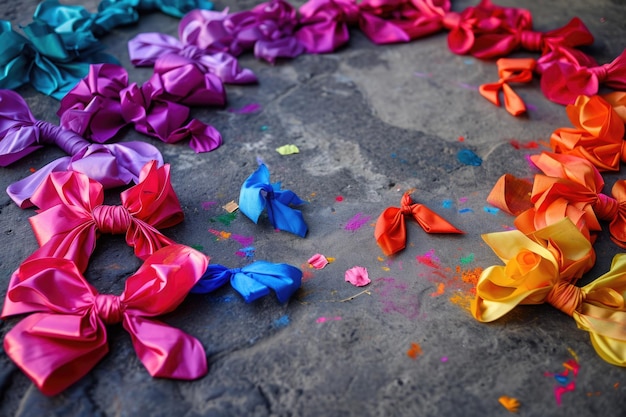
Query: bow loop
column 390, row 230
column 258, row 194
column 253, row 281
column 510, row 70
column 61, row 343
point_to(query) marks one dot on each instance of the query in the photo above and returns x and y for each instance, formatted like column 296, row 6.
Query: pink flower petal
column 357, row 276
column 318, row 261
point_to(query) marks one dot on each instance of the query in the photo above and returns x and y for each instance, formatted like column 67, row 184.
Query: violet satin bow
column 253, row 281
column 258, row 194
column 390, row 231
column 562, row 82
column 103, row 102
column 66, row 336
column 268, row 29
column 72, row 215
column 20, row 134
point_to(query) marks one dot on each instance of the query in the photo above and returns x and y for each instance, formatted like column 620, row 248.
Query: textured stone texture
column 370, row 122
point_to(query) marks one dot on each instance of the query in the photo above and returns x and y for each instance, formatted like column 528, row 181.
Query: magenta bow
column 102, row 103
column 268, row 29
column 20, row 134
column 72, row 215
column 562, row 82
column 66, row 336
column 495, row 45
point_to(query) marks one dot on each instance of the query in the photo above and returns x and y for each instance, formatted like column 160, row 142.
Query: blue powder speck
column 468, row 157
column 281, row 322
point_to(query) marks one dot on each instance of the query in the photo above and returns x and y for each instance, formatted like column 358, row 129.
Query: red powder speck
column 461, row 139
column 339, row 199
column 426, row 260
column 32, row 169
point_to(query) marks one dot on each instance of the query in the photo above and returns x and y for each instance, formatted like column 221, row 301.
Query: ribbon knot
column 68, row 141
column 601, row 72
column 114, row 220
column 191, row 52
column 531, row 40
column 108, row 308
column 451, row 20
column 606, row 207
column 565, row 297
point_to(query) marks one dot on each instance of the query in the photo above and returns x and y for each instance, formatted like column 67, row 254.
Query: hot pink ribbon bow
column 71, row 214
column 103, row 102
column 66, row 335
column 562, row 82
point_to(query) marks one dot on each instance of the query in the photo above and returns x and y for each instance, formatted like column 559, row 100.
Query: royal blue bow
column 253, row 281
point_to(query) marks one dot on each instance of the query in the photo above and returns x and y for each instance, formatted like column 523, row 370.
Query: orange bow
column 390, row 229
column 510, row 70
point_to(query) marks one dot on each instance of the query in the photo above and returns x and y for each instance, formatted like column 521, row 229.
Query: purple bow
column 20, row 134
column 103, row 102
column 268, row 29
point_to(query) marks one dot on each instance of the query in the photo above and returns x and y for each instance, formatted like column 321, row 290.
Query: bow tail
column 512, row 101
column 258, row 277
column 21, row 191
column 166, row 352
column 56, row 350
column 431, row 222
column 146, row 239
column 390, row 231
column 491, row 92
column 381, row 31
column 285, row 218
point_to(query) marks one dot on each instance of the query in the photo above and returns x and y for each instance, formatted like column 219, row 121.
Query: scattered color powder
column 423, row 74
column 206, row 205
column 307, row 275
column 467, row 259
column 385, row 268
column 444, row 359
column 529, row 145
column 225, row 219
column 468, row 157
column 243, row 240
column 326, row 319
column 414, row 351
column 461, row 139
column 198, row 247
column 510, row 403
column 264, row 128
column 32, row 170
column 466, row 210
column 428, row 259
column 446, row 203
column 491, row 210
column 441, row 287
column 281, row 322
column 463, row 199
column 247, row 252
column 339, row 198
column 395, row 297
column 220, row 234
column 468, row 86
column 356, row 222
column 249, row 108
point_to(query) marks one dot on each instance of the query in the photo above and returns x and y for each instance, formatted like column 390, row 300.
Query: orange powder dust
column 441, row 287
column 414, row 351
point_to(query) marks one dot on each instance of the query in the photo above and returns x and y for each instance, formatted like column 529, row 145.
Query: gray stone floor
column 371, row 122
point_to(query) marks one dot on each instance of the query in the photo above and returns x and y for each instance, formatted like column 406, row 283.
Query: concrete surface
column 371, row 122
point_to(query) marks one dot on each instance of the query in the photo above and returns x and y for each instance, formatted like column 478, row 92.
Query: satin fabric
column 510, row 70
column 65, row 336
column 597, row 135
column 20, row 134
column 536, row 273
column 563, row 82
column 71, row 215
column 511, row 194
column 258, row 194
column 175, row 8
column 390, row 231
column 253, row 281
column 42, row 60
column 103, row 102
column 617, row 100
column 267, row 29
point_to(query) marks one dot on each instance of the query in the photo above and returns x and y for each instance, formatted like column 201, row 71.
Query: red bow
column 390, row 229
column 562, row 82
column 72, row 215
column 510, row 70
column 66, row 336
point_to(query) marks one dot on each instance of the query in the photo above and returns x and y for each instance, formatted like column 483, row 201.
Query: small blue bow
column 253, row 281
column 257, row 194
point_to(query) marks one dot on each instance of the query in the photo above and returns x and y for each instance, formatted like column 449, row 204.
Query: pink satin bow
column 268, row 29
column 66, row 336
column 20, row 134
column 562, row 82
column 510, row 70
column 103, row 102
column 71, row 214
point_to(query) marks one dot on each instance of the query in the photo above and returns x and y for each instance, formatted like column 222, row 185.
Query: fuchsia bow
column 563, row 81
column 103, row 102
column 71, row 214
column 268, row 29
column 66, row 335
column 20, row 134
column 390, row 232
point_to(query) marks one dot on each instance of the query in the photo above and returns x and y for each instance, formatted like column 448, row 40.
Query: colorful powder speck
column 339, row 199
column 446, row 204
column 444, row 359
column 281, row 322
column 428, row 259
column 529, row 145
column 463, row 200
column 466, row 210
column 491, row 210
column 249, row 108
column 356, row 222
column 327, row 319
column 468, row 157
column 467, row 259
column 206, row 205
column 247, row 252
column 441, row 287
column 225, row 219
column 414, row 351
column 243, row 240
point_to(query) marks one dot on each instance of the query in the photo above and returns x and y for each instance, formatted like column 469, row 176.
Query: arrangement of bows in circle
column 65, row 336
column 170, row 56
column 543, row 268
column 267, row 29
column 390, row 231
column 72, row 215
column 103, row 102
column 597, row 135
column 258, row 194
column 253, row 281
column 563, row 82
column 42, row 60
column 20, row 134
column 510, row 70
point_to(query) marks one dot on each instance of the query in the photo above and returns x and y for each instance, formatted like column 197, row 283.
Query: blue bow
column 175, row 8
column 257, row 194
column 253, row 281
